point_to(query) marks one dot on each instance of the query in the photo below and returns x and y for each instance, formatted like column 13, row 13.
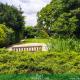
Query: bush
column 39, row 62
column 10, row 36
column 2, row 36
column 30, row 32
column 7, row 36
column 42, row 34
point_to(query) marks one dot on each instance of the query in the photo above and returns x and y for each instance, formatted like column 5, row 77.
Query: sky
column 29, row 7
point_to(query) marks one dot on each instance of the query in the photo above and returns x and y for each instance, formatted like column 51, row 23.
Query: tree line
column 61, row 18
column 11, row 24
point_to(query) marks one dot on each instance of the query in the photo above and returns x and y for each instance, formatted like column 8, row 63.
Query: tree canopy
column 6, row 35
column 12, row 18
column 61, row 16
column 2, row 36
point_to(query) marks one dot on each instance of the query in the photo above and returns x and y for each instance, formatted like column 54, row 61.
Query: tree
column 61, row 17
column 2, row 37
column 12, row 18
column 6, row 37
column 30, row 32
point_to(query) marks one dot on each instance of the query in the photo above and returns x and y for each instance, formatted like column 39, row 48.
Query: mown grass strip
column 39, row 76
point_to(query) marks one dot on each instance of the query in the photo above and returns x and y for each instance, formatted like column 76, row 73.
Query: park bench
column 27, row 48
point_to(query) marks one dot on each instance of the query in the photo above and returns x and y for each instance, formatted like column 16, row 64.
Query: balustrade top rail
column 27, row 48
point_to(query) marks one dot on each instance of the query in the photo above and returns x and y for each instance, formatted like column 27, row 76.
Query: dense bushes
column 2, row 36
column 30, row 32
column 13, row 20
column 33, row 32
column 11, row 16
column 40, row 62
column 42, row 34
column 6, row 36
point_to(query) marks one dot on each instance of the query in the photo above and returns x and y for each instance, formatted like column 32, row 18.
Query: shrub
column 42, row 34
column 30, row 32
column 39, row 62
column 10, row 36
column 7, row 36
column 2, row 36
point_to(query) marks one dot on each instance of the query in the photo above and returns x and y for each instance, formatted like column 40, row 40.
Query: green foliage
column 33, row 32
column 42, row 34
column 6, row 36
column 30, row 32
column 64, row 25
column 63, row 45
column 39, row 76
column 39, row 62
column 2, row 36
column 61, row 17
column 10, row 36
column 12, row 18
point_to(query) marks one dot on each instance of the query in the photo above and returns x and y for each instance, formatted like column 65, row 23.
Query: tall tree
column 12, row 17
column 61, row 16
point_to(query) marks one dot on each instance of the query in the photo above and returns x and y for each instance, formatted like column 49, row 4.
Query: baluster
column 15, row 49
column 12, row 49
column 32, row 48
column 27, row 48
column 23, row 48
column 18, row 49
column 40, row 48
column 36, row 48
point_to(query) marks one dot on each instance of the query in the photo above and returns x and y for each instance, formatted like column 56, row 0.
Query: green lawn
column 40, row 77
column 35, row 40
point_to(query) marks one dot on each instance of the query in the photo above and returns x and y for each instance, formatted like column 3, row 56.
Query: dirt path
column 44, row 46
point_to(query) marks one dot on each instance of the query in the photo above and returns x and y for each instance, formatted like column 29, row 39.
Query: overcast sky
column 29, row 7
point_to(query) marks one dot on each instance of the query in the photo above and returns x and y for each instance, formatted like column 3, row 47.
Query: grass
column 59, row 45
column 35, row 40
column 40, row 77
column 63, row 45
